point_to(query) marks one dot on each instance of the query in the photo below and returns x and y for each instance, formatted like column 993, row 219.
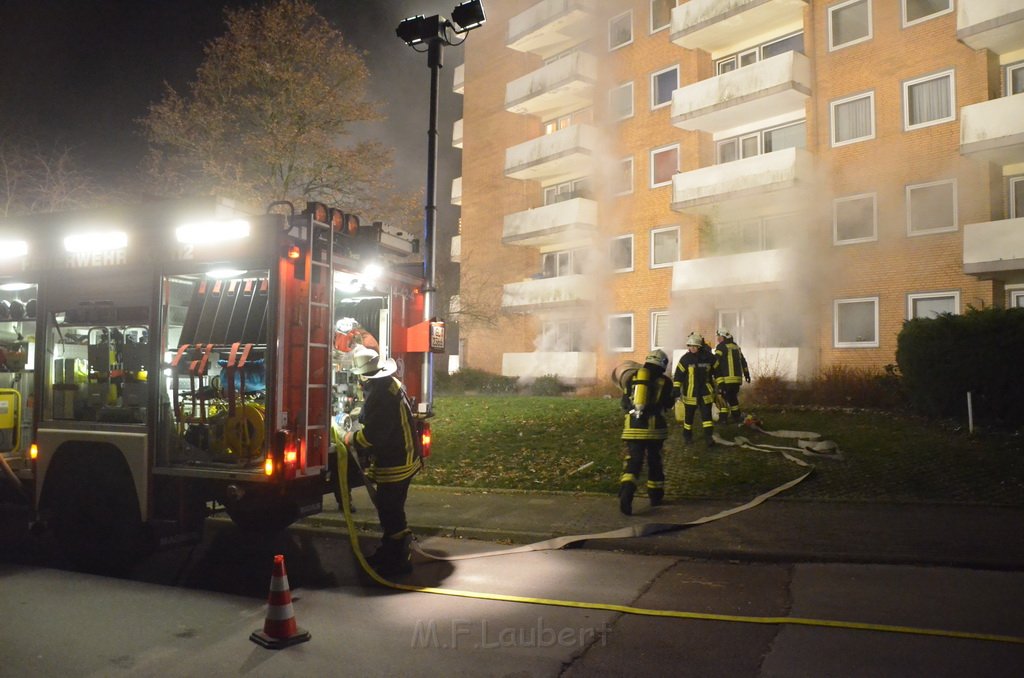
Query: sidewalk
column 778, row 530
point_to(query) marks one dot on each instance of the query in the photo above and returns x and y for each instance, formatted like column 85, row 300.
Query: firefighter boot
column 393, row 556
column 626, row 491
column 709, row 438
column 656, row 495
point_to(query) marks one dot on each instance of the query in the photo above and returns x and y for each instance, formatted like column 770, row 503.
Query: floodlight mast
column 433, row 31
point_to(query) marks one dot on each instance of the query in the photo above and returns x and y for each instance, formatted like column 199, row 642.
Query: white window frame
column 927, row 17
column 611, row 99
column 832, row 47
column 655, row 317
column 907, row 84
column 611, row 22
column 632, row 181
column 832, row 119
column 874, row 219
column 1016, row 184
column 952, row 294
column 911, row 232
column 657, row 151
column 836, row 304
column 632, row 251
column 1010, row 70
column 654, row 76
column 608, row 336
column 650, row 11
column 1016, row 298
column 657, row 231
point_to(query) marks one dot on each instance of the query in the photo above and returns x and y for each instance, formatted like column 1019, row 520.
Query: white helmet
column 724, row 333
column 694, row 340
column 346, row 325
column 367, row 363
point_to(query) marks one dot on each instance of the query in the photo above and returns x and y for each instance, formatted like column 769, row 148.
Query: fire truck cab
column 167, row 360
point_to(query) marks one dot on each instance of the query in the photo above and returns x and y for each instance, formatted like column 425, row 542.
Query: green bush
column 548, row 385
column 837, row 386
column 469, row 380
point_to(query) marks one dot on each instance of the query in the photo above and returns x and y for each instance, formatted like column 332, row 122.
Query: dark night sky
column 78, row 73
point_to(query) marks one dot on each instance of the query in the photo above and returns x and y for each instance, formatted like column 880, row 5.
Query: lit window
column 664, row 246
column 854, row 219
column 931, row 207
column 663, row 83
column 853, row 119
column 624, row 180
column 661, row 14
column 621, row 253
column 620, row 101
column 856, row 323
column 916, row 11
column 659, row 329
column 929, row 101
column 620, row 332
column 849, row 23
column 932, row 305
column 664, row 165
column 620, row 30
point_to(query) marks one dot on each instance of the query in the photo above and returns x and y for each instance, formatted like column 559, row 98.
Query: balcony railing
column 994, row 130
column 459, row 79
column 720, row 26
column 566, row 222
column 744, row 271
column 994, row 250
column 570, row 367
column 565, row 154
column 551, row 26
column 760, row 185
column 996, row 25
column 557, row 88
column 457, row 191
column 456, row 249
column 457, row 134
column 767, row 89
column 562, row 291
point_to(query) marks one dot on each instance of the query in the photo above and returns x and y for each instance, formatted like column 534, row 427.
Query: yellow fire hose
column 342, row 476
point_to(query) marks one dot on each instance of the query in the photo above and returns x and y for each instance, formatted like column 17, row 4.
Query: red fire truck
column 164, row 361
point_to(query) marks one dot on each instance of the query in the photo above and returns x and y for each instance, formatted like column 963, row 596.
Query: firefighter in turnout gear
column 645, row 398
column 693, row 383
column 388, row 445
column 730, row 371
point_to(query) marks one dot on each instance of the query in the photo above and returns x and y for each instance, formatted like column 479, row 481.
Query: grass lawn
column 572, row 444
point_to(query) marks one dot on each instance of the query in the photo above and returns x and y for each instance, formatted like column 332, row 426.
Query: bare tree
column 36, row 180
column 269, row 117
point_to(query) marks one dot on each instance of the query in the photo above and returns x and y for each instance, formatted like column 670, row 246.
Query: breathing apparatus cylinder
column 640, row 393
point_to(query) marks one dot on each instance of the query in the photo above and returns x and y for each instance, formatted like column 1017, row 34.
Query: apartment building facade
column 806, row 173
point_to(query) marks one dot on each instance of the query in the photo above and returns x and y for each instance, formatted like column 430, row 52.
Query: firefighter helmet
column 367, row 363
column 694, row 340
column 657, row 357
column 724, row 333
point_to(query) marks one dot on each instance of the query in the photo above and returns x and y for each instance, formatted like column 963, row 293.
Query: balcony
column 459, row 79
column 546, row 293
column 565, row 154
column 564, row 222
column 457, row 134
column 769, row 88
column 457, row 191
column 757, row 186
column 789, row 363
column 993, row 130
column 996, row 25
column 456, row 249
column 557, row 88
column 723, row 26
column 570, row 367
column 994, row 250
column 743, row 272
column 551, row 26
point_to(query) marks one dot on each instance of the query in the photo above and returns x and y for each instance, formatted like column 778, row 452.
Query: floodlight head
column 417, row 29
column 468, row 15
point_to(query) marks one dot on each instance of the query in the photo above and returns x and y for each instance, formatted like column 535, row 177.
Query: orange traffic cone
column 279, row 629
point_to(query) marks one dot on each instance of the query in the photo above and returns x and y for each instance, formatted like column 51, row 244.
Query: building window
column 1016, row 197
column 853, row 119
column 751, row 235
column 854, row 219
column 1015, row 79
column 664, row 246
column 559, row 264
column 620, row 30
column 620, row 332
column 664, row 165
column 916, row 11
column 856, row 323
column 789, row 43
column 620, row 101
column 661, row 14
column 624, row 180
column 849, row 23
column 620, row 251
column 659, row 329
column 556, row 124
column 931, row 207
column 1016, row 298
column 567, row 190
column 793, row 135
column 932, row 305
column 929, row 101
column 562, row 336
column 663, row 83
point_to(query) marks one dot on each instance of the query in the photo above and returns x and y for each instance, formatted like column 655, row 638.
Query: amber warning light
column 294, row 252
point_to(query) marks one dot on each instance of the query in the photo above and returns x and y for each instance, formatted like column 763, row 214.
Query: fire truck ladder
column 319, row 332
